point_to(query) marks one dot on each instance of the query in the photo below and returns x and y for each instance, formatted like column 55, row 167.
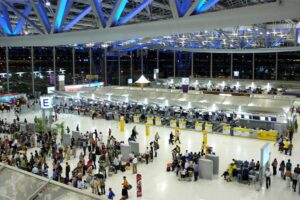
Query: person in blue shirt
column 111, row 194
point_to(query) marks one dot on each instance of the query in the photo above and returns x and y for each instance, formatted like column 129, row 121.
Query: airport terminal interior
column 149, row 99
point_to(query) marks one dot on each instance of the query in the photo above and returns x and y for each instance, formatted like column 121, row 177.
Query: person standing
column 156, row 137
column 68, row 169
column 196, row 171
column 84, row 145
column 147, row 154
column 268, row 178
column 177, row 137
column 171, row 139
column 282, row 169
column 134, row 165
column 274, row 165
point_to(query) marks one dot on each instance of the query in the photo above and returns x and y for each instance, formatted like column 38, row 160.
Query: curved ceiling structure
column 124, row 25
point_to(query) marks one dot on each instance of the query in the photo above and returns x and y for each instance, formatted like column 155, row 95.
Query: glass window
column 43, row 66
column 20, row 68
column 183, row 64
column 265, row 66
column 2, row 70
column 125, row 67
column 201, row 65
column 289, row 66
column 166, row 63
column 82, row 64
column 150, row 63
column 242, row 66
column 98, row 63
column 136, row 65
column 112, row 68
column 221, row 65
column 64, row 63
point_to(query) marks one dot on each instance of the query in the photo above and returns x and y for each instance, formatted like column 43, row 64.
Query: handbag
column 129, row 187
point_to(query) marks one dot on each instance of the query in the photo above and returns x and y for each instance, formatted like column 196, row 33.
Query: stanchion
column 147, row 130
column 122, row 124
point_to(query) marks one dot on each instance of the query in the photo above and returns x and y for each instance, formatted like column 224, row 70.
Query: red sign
column 138, row 185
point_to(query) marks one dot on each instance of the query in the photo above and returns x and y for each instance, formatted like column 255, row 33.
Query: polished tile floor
column 158, row 184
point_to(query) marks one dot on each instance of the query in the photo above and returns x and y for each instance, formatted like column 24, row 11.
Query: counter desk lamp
column 142, row 81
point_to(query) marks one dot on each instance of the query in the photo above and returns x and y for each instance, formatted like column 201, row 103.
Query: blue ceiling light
column 207, row 5
column 62, row 10
column 4, row 20
column 120, row 11
column 44, row 17
column 199, row 5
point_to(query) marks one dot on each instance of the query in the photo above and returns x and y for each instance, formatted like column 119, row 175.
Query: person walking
column 294, row 180
column 111, row 194
column 282, row 169
column 274, row 165
column 177, row 137
column 134, row 165
column 156, row 137
column 268, row 178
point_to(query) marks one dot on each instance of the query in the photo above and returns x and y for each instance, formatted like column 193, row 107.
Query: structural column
column 174, row 64
column 54, row 65
column 73, row 65
column 131, row 65
column 91, row 56
column 7, row 68
column 231, row 65
column 32, row 70
column 253, row 66
column 211, row 65
column 157, row 63
column 192, row 64
column 119, row 68
column 105, row 66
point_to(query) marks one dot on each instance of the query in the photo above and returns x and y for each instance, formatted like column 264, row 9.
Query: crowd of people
column 242, row 171
column 97, row 159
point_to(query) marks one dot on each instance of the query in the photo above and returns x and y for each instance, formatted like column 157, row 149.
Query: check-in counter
column 150, row 120
column 198, row 126
column 158, row 121
column 136, row 118
column 208, row 128
column 270, row 135
column 173, row 123
column 226, row 129
column 245, row 132
column 182, row 124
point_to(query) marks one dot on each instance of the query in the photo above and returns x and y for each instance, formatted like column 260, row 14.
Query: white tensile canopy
column 142, row 80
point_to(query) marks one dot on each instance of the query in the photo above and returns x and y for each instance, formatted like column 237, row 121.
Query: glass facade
column 265, row 66
column 122, row 66
column 221, row 65
column 20, row 69
column 242, row 66
column 201, row 65
column 166, row 64
column 289, row 66
column 183, row 64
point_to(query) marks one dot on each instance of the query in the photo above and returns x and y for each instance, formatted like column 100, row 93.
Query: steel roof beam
column 262, row 13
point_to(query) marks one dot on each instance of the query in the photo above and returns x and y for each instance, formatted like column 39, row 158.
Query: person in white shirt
column 268, row 178
column 134, row 165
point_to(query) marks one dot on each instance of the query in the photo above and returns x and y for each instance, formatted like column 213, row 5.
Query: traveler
column 171, row 139
column 134, row 165
column 274, row 165
column 196, row 171
column 268, row 178
column 282, row 169
column 294, row 180
column 111, row 194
